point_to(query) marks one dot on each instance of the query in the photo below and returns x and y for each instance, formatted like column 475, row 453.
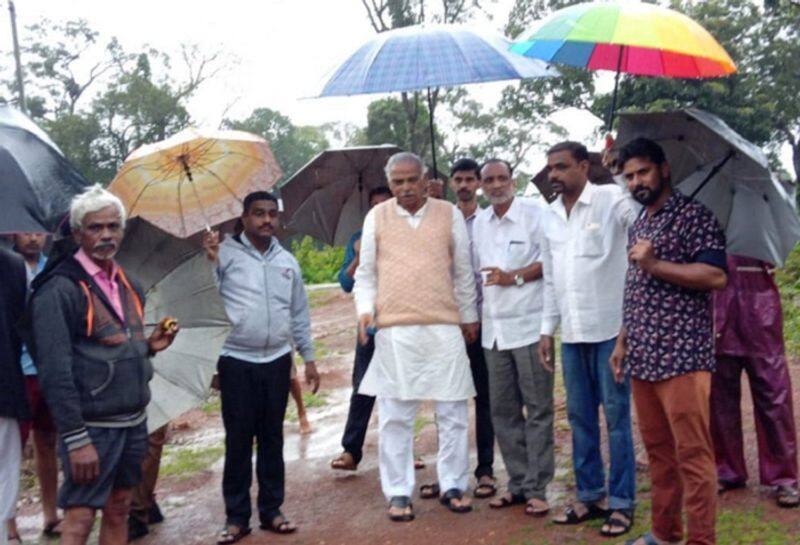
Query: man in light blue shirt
column 265, row 299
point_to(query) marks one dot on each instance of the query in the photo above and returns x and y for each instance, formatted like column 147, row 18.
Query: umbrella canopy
column 629, row 37
column 178, row 281
column 423, row 57
column 328, row 198
column 418, row 57
column 728, row 174
column 195, row 178
column 37, row 182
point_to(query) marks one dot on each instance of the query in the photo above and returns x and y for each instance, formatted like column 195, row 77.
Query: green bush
column 320, row 263
column 789, row 283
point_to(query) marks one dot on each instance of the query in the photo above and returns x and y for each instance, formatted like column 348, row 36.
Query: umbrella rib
column 145, row 188
column 180, row 205
column 214, row 174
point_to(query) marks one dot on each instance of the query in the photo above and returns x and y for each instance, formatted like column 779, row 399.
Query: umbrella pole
column 433, row 141
column 612, row 109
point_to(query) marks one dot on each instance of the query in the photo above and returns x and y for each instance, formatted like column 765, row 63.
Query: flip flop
column 531, row 511
column 647, row 538
column 225, row 537
column 282, row 527
column 344, row 462
column 617, row 526
column 592, row 512
column 507, row 501
column 454, row 494
column 787, row 497
column 402, row 502
column 492, row 490
column 429, row 491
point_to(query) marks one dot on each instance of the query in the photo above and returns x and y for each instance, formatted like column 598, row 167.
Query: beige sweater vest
column 415, row 282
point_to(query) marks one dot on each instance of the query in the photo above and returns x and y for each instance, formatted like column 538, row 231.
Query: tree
column 99, row 112
column 293, row 146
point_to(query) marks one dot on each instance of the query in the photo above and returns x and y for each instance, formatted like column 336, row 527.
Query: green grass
column 182, row 461
column 788, row 280
column 213, row 405
column 310, row 400
column 419, row 424
column 319, row 298
column 751, row 528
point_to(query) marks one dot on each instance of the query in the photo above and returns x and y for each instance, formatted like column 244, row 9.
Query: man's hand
column 644, row 254
column 84, row 464
column 547, row 352
column 497, row 277
column 163, row 335
column 364, row 323
column 215, row 382
column 617, row 360
column 211, row 245
column 470, row 332
column 312, row 376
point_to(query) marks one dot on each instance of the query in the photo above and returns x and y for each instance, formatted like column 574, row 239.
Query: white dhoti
column 410, row 364
column 11, row 456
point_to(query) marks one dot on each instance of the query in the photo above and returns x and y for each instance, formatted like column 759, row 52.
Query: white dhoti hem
column 11, row 456
column 419, row 362
column 396, row 445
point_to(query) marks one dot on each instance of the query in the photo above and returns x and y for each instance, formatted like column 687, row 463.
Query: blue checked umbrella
column 423, row 57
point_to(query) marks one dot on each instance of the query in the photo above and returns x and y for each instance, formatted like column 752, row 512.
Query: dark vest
column 112, row 356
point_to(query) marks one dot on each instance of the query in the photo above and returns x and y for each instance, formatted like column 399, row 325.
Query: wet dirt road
column 334, row 508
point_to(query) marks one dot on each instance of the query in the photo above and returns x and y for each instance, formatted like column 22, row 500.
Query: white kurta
column 414, row 362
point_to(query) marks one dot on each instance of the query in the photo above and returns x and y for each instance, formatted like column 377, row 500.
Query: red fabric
column 42, row 420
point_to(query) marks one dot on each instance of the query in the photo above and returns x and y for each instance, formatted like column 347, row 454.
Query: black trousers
column 355, row 430
column 484, row 432
column 254, row 397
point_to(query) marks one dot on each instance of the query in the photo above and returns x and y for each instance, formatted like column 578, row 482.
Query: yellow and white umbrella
column 195, row 179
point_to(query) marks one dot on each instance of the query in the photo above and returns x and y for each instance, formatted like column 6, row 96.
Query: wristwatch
column 518, row 280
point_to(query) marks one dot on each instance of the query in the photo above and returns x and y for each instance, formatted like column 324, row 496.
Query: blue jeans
column 589, row 382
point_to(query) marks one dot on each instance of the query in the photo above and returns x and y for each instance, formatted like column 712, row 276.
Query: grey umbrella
column 718, row 167
column 178, row 281
column 327, row 198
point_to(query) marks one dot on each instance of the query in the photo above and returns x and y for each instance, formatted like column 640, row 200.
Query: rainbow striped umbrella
column 631, row 37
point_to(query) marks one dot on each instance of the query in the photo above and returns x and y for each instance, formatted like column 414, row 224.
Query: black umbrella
column 37, row 182
column 328, row 198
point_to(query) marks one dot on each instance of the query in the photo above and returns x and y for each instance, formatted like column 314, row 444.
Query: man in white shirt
column 584, row 256
column 506, row 238
column 415, row 284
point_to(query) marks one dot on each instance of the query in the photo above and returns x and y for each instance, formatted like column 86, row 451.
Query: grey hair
column 94, row 199
column 404, row 157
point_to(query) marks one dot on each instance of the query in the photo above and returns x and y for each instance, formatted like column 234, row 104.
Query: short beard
column 469, row 196
column 501, row 199
column 646, row 196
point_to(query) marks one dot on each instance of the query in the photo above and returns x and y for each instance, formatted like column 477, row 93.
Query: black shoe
column 154, row 515
column 136, row 528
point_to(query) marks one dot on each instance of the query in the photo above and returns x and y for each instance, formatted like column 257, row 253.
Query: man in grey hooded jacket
column 262, row 288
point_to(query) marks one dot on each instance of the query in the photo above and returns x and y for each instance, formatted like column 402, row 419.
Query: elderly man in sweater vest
column 415, row 285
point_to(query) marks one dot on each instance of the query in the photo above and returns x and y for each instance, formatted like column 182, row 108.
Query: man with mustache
column 94, row 367
column 676, row 251
column 262, row 288
column 584, row 273
column 507, row 249
column 465, row 179
column 415, row 283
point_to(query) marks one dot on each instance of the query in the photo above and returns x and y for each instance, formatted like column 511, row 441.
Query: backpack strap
column 89, row 308
column 136, row 301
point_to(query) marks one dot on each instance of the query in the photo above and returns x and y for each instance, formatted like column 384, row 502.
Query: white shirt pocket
column 590, row 241
column 517, row 254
